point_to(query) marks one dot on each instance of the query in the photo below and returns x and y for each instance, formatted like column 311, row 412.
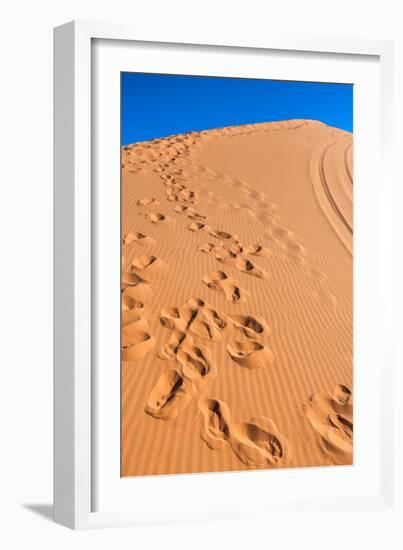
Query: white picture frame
column 78, row 427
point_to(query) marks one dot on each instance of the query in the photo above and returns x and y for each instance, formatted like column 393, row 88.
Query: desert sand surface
column 237, row 300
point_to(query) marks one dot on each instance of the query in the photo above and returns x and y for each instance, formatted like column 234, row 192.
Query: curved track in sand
column 333, row 186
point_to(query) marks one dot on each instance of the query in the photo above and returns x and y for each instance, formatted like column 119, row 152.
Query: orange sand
column 237, row 300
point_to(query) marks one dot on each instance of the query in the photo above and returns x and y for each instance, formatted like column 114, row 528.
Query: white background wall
column 26, row 263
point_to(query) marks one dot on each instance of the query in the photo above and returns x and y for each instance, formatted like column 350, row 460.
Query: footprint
column 250, row 354
column 220, row 234
column 136, row 318
column 267, row 218
column 256, row 195
column 192, row 215
column 332, row 419
column 136, row 238
column 249, row 267
column 256, row 443
column 180, row 208
column 145, row 261
column 132, row 306
column 250, row 326
column 225, row 255
column 342, row 394
column 174, row 188
column 206, row 247
column 197, row 226
column 170, row 350
column 295, row 249
column 256, row 250
column 155, row 217
column 179, row 318
column 243, row 208
column 196, row 318
column 187, row 196
column 343, row 424
column 135, row 286
column 205, row 329
column 215, row 318
column 170, row 317
column 235, row 248
column 196, row 302
column 196, row 362
column 148, row 267
column 169, row 397
column 237, row 184
column 229, row 256
column 147, row 202
column 235, row 255
column 216, row 423
column 282, row 234
column 219, row 280
column 131, row 278
column 129, row 302
column 259, row 443
column 135, row 342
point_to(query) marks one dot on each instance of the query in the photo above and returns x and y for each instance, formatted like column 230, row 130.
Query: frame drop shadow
column 43, row 510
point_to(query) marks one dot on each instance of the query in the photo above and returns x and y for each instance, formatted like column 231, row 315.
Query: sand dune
column 237, row 300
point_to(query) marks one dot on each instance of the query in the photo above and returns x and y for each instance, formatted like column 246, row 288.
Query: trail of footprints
column 257, row 205
column 168, row 159
column 195, row 324
column 137, row 285
column 191, row 366
column 257, row 442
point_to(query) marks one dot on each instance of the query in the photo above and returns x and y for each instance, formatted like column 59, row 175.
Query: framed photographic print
column 218, row 237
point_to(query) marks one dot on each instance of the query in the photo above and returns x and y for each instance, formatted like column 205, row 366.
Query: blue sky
column 157, row 105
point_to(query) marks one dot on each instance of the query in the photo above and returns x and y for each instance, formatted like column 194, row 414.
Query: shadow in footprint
column 250, row 354
column 216, row 422
column 259, row 443
column 169, row 397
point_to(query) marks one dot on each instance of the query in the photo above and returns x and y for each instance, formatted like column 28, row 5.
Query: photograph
column 236, row 274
